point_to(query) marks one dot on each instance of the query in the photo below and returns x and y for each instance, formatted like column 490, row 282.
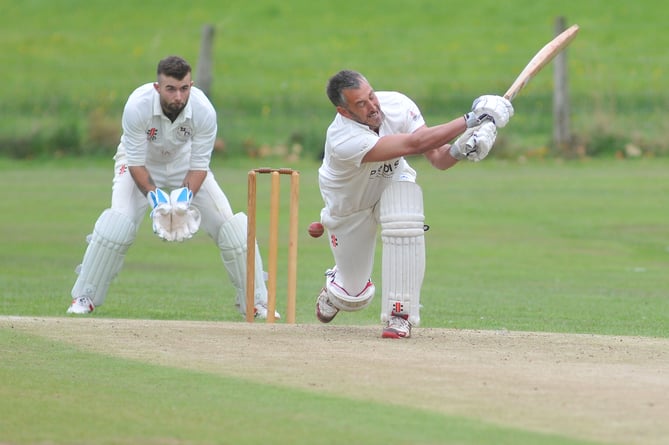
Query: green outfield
column 576, row 247
column 543, row 246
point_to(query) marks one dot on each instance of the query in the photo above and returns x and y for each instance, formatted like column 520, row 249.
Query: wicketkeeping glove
column 489, row 108
column 161, row 213
column 185, row 219
column 181, row 198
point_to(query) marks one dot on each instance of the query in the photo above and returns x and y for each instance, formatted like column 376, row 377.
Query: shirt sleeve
column 204, row 135
column 354, row 149
column 350, row 142
column 134, row 138
column 414, row 118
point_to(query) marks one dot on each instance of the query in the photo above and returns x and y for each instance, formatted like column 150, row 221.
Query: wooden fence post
column 561, row 107
column 204, row 66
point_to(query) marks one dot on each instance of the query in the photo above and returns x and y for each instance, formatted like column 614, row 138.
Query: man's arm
column 142, row 179
column 441, row 157
column 194, row 179
column 420, row 141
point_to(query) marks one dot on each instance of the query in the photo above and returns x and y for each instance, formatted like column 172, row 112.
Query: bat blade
column 540, row 60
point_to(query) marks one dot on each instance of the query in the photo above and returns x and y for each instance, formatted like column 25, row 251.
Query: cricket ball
column 316, row 229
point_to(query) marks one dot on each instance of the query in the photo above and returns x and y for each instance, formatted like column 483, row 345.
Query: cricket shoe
column 81, row 305
column 397, row 327
column 260, row 311
column 325, row 310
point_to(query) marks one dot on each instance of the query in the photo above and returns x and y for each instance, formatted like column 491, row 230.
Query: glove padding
column 475, row 143
column 161, row 213
column 185, row 219
column 173, row 217
column 489, row 108
column 181, row 198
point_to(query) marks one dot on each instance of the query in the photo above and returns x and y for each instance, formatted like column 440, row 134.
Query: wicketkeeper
column 366, row 182
column 162, row 164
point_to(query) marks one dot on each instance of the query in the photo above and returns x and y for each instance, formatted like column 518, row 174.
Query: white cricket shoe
column 260, row 311
column 325, row 310
column 81, row 305
column 397, row 327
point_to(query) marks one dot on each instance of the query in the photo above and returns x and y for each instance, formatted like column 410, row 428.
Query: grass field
column 547, row 246
column 577, row 247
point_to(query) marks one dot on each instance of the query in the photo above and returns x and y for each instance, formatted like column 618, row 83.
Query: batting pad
column 231, row 241
column 344, row 301
column 112, row 236
column 403, row 259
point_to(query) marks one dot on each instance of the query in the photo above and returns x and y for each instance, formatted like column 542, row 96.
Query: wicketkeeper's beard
column 174, row 108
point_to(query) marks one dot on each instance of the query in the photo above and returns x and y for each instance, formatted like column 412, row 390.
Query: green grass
column 70, row 77
column 577, row 247
column 542, row 246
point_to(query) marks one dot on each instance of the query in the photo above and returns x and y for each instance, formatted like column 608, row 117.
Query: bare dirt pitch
column 612, row 389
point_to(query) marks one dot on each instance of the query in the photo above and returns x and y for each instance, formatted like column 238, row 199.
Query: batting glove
column 496, row 109
column 475, row 143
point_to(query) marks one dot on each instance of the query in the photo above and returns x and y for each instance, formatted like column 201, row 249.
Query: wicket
column 273, row 247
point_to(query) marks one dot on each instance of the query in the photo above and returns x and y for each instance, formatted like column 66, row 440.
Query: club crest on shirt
column 184, row 133
column 151, row 134
column 414, row 116
column 385, row 170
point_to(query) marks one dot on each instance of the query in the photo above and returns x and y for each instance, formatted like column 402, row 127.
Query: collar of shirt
column 185, row 114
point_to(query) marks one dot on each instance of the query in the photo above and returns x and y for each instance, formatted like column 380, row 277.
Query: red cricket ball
column 316, row 229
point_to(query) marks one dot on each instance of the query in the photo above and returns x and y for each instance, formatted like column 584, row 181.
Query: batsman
column 367, row 183
column 162, row 165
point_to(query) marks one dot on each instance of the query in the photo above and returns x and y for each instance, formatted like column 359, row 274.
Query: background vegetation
column 70, row 65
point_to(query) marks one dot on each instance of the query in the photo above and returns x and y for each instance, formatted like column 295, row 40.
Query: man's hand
column 181, row 198
column 185, row 219
column 475, row 143
column 185, row 224
column 489, row 108
column 161, row 213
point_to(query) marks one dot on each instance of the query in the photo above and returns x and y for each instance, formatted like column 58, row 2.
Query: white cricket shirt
column 349, row 185
column 151, row 139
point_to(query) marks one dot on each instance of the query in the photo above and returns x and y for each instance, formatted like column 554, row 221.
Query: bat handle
column 471, row 144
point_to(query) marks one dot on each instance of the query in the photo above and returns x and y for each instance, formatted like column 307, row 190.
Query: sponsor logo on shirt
column 386, row 170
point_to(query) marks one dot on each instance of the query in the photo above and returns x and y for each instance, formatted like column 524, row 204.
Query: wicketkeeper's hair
column 173, row 66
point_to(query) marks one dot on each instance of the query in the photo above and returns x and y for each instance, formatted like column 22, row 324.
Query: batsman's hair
column 173, row 66
column 341, row 81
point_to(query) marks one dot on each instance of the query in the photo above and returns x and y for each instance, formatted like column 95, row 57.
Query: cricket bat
column 540, row 60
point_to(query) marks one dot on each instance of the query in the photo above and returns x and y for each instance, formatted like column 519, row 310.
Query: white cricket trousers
column 353, row 244
column 210, row 200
